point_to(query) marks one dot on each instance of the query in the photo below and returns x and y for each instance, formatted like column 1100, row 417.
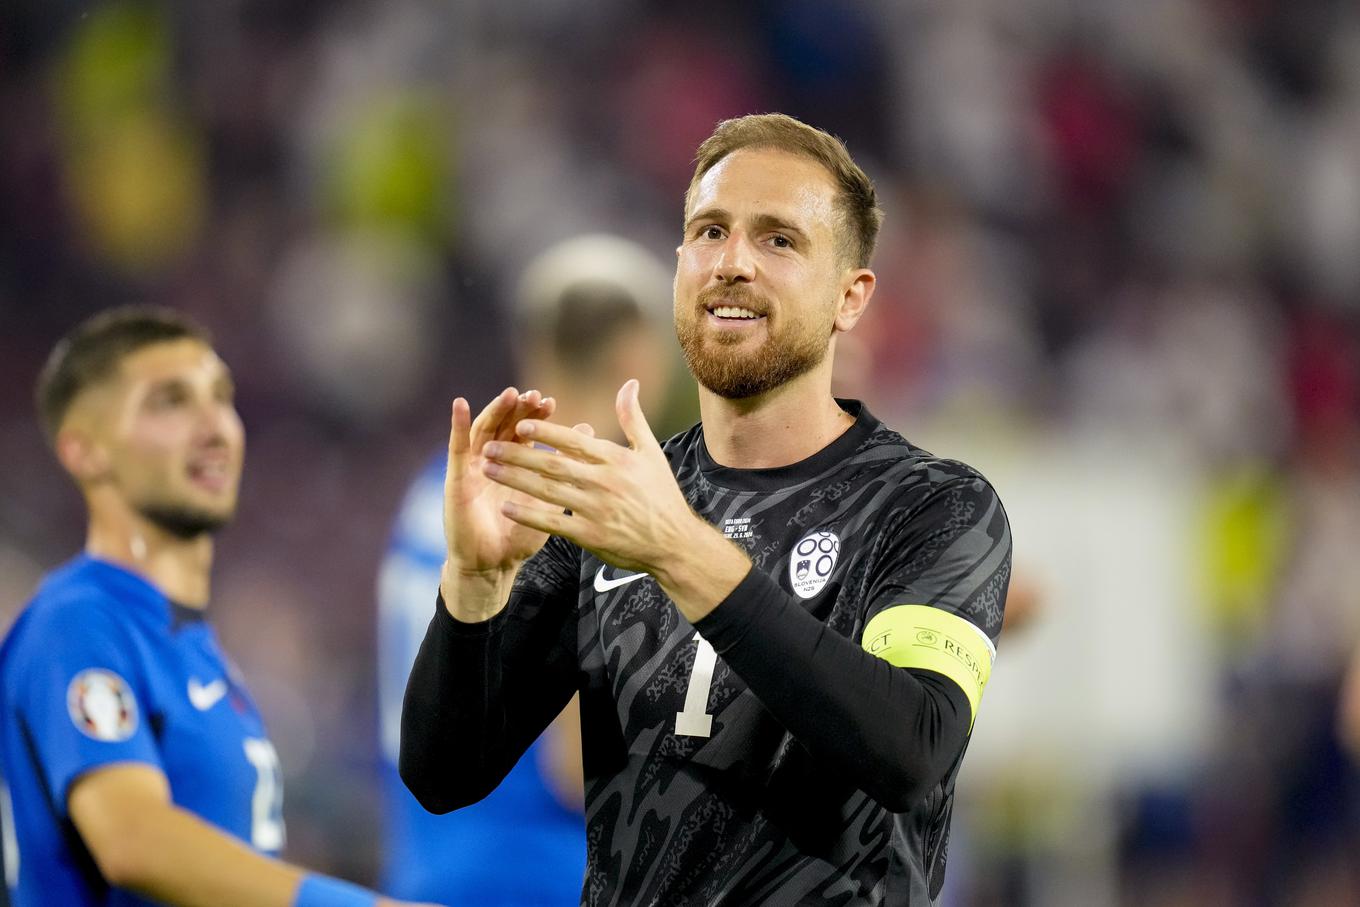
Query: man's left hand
column 622, row 504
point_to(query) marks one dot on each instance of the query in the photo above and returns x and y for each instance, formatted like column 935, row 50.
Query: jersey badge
column 101, row 705
column 812, row 560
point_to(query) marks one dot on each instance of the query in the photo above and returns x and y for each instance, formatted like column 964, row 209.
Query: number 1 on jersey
column 695, row 721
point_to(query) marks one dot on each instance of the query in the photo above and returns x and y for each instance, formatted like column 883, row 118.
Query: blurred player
column 1348, row 720
column 588, row 315
column 780, row 623
column 137, row 766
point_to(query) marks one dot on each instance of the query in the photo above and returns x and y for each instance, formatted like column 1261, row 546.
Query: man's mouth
column 212, row 473
column 735, row 312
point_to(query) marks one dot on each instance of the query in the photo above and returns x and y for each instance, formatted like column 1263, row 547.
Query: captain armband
column 919, row 636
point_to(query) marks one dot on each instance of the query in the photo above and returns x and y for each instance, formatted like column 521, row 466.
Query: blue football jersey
column 479, row 854
column 101, row 668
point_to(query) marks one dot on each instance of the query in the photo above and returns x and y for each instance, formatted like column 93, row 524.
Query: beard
column 734, row 374
column 185, row 522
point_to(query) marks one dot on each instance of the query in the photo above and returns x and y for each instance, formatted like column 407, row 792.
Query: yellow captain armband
column 919, row 636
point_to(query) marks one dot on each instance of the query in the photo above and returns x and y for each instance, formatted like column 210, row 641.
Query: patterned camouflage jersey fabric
column 745, row 815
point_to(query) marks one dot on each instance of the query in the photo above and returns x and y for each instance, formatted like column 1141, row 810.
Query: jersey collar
column 136, row 591
column 777, row 478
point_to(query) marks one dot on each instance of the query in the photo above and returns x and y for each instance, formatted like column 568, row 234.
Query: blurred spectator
column 590, row 313
column 1349, row 714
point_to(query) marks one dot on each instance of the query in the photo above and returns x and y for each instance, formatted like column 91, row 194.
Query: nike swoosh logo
column 604, row 585
column 206, row 696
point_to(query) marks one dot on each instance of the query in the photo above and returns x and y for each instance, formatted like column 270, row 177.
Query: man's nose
column 736, row 261
column 214, row 422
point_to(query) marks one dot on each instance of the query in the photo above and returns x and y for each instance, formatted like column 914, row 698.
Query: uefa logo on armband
column 811, row 562
column 101, row 705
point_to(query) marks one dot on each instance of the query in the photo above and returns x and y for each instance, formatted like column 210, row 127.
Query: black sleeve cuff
column 755, row 599
column 452, row 626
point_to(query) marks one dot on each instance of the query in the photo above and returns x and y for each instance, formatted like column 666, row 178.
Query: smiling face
column 761, row 283
column 162, row 436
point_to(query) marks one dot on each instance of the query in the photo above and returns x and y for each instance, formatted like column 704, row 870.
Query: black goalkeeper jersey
column 799, row 745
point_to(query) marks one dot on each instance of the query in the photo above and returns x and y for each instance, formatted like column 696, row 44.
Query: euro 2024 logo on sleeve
column 101, row 705
column 812, row 560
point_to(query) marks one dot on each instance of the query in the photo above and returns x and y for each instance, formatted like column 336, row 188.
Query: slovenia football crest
column 101, row 705
column 811, row 562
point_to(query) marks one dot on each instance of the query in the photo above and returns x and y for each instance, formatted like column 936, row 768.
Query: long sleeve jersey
column 797, row 745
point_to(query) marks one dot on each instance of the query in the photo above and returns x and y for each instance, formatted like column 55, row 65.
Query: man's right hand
column 484, row 547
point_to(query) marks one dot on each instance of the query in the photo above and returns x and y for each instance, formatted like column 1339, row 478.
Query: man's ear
column 857, row 290
column 81, row 454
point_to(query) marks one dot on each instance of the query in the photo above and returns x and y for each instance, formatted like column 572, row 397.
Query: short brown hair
column 93, row 350
column 857, row 200
column 581, row 295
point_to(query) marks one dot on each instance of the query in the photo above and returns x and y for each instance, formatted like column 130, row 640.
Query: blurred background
column 1120, row 274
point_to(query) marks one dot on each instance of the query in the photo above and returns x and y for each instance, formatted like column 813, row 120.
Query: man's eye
column 167, row 398
column 781, row 241
column 712, row 233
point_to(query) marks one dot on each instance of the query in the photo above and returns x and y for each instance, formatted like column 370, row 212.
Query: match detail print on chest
column 812, row 557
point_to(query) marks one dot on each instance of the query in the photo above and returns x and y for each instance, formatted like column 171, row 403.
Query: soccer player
column 780, row 622
column 137, row 766
column 1348, row 718
column 588, row 314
